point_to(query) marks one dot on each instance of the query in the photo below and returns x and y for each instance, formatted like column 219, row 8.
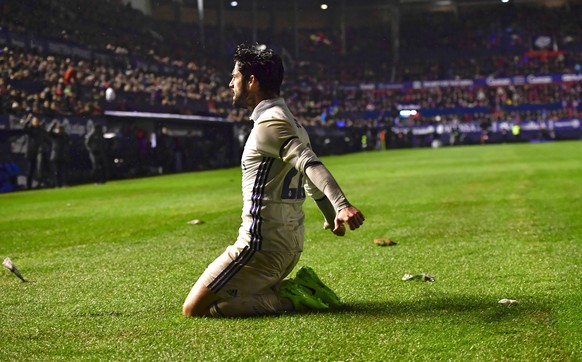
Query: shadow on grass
column 102, row 314
column 484, row 308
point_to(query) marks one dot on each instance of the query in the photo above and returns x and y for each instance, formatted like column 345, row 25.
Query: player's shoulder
column 274, row 114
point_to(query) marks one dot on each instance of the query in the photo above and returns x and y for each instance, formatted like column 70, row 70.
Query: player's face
column 239, row 88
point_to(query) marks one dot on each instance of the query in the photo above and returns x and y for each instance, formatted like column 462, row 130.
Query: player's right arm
column 277, row 137
column 334, row 205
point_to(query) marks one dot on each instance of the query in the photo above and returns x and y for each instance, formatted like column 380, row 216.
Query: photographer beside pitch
column 279, row 169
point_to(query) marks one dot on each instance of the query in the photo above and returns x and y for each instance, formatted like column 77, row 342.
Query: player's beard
column 240, row 100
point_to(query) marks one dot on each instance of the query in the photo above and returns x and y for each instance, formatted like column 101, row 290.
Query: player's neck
column 259, row 97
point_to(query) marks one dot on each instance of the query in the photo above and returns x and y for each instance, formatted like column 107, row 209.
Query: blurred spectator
column 35, row 148
column 96, row 146
column 60, row 157
column 164, row 151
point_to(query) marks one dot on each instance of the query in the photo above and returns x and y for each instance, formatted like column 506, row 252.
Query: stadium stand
column 477, row 70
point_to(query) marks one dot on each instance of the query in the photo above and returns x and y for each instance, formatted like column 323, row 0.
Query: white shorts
column 241, row 271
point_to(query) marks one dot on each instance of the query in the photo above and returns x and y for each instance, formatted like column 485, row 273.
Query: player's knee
column 193, row 309
column 198, row 301
column 187, row 310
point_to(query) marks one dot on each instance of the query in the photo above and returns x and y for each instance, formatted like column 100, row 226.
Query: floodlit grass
column 109, row 266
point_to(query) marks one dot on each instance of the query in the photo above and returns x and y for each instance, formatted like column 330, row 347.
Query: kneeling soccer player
column 279, row 169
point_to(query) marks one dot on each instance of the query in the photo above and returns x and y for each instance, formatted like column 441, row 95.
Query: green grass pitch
column 109, row 266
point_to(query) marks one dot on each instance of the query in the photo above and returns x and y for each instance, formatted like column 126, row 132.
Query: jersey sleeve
column 280, row 139
column 312, row 190
column 324, row 181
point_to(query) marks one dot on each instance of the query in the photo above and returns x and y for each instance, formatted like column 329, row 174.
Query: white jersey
column 273, row 181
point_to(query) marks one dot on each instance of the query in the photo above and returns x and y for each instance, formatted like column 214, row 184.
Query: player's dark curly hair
column 263, row 63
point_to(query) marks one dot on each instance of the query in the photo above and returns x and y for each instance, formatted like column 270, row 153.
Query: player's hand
column 350, row 215
column 338, row 230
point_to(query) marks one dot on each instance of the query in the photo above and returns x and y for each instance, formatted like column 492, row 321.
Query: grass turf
column 109, row 266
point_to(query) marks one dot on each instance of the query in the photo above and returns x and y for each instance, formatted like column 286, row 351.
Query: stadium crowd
column 137, row 63
column 497, row 45
column 49, row 85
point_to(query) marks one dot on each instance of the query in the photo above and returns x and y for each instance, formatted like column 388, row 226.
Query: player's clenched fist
column 350, row 215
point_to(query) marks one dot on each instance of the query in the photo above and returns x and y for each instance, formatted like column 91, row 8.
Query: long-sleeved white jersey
column 274, row 185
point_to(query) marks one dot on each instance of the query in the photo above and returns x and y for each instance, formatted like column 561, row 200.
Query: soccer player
column 279, row 169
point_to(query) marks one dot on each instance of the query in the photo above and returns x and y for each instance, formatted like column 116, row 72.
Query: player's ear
column 253, row 82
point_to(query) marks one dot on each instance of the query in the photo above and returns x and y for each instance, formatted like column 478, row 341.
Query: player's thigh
column 242, row 271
